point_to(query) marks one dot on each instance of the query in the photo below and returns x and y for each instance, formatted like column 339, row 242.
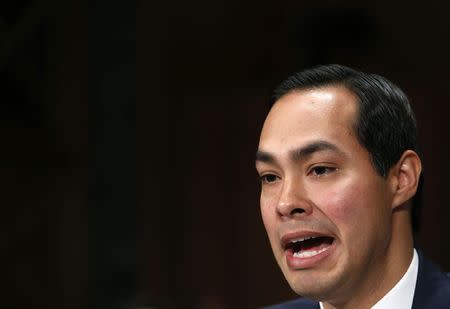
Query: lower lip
column 307, row 262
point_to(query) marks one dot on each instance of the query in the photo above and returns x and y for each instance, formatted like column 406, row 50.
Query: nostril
column 297, row 211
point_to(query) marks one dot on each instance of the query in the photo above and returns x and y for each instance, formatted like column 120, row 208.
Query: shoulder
column 300, row 303
column 432, row 287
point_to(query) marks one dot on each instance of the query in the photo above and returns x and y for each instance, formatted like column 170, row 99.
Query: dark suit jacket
column 432, row 290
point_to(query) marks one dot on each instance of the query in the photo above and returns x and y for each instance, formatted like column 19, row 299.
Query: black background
column 128, row 132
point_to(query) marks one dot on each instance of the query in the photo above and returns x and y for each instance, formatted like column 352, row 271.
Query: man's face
column 325, row 209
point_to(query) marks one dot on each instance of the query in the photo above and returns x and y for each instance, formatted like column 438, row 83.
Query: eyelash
column 324, row 170
column 264, row 178
column 316, row 171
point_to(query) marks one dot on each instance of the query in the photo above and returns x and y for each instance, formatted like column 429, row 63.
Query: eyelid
column 263, row 177
column 327, row 166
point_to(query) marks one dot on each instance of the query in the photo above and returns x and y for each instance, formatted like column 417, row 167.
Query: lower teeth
column 310, row 253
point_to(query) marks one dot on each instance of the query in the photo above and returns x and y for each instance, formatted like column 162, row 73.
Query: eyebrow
column 300, row 153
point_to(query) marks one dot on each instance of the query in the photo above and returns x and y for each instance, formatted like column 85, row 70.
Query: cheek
column 267, row 208
column 268, row 201
column 268, row 215
column 346, row 204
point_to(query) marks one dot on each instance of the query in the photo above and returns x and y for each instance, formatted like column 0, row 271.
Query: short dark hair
column 385, row 123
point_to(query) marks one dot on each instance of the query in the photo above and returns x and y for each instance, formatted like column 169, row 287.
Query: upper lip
column 288, row 238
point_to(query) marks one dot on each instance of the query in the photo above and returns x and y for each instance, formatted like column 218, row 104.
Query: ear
column 405, row 177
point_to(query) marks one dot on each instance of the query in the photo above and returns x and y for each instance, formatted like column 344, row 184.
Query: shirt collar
column 402, row 294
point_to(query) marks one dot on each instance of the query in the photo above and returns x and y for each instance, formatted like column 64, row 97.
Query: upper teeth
column 302, row 239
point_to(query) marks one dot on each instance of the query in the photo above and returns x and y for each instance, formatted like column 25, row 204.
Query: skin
column 317, row 177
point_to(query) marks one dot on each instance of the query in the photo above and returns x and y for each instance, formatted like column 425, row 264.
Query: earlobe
column 406, row 174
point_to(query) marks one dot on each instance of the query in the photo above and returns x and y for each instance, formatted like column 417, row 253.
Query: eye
column 268, row 178
column 320, row 170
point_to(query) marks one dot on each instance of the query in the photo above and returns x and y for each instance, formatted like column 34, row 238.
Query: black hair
column 385, row 123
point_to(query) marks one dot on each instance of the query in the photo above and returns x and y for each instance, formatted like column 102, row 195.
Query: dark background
column 128, row 132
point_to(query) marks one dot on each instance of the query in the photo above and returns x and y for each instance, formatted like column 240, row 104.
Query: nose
column 293, row 201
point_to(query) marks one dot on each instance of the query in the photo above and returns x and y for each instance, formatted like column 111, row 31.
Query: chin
column 311, row 287
column 311, row 292
column 316, row 293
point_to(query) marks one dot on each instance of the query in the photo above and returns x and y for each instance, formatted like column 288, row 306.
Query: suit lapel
column 427, row 283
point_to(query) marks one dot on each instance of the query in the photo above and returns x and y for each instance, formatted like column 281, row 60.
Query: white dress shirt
column 402, row 294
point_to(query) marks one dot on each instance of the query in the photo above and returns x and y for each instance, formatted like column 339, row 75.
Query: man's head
column 385, row 123
column 337, row 162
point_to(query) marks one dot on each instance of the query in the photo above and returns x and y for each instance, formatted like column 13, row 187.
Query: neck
column 387, row 269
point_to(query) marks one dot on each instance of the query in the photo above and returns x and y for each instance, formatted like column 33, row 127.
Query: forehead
column 327, row 113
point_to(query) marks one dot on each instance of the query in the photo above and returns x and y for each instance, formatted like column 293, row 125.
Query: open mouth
column 306, row 247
